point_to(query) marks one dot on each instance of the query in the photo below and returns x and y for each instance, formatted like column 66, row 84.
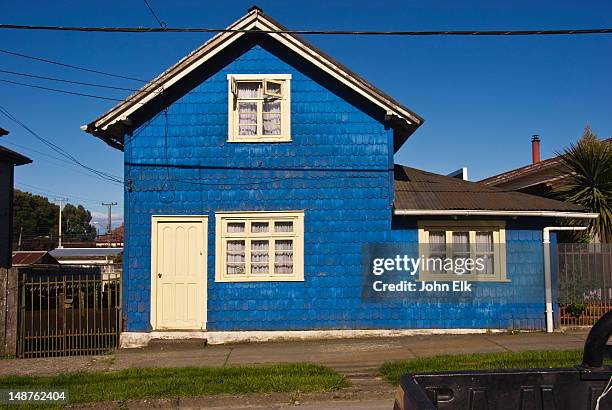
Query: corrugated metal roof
column 27, row 258
column 538, row 167
column 420, row 190
column 84, row 252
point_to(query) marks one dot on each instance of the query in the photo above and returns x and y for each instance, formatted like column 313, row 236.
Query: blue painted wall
column 338, row 169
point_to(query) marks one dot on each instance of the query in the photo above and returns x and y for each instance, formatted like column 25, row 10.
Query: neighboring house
column 114, row 239
column 540, row 178
column 33, row 258
column 256, row 171
column 9, row 159
column 110, row 260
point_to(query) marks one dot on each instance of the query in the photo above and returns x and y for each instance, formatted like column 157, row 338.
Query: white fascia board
column 477, row 212
column 172, row 80
column 336, row 72
column 222, row 40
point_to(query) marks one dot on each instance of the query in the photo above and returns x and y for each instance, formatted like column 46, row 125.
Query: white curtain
column 437, row 242
column 247, row 118
column 283, row 257
column 461, row 242
column 283, row 226
column 248, row 89
column 236, row 257
column 484, row 241
column 260, row 257
column 484, row 250
column 235, row 227
column 271, row 118
column 258, row 227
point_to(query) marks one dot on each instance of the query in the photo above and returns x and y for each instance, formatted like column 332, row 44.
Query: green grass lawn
column 134, row 384
column 391, row 371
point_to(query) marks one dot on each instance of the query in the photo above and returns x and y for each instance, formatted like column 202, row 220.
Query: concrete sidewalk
column 341, row 354
column 357, row 359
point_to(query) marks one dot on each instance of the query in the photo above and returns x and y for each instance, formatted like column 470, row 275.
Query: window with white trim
column 259, row 246
column 259, row 107
column 446, row 245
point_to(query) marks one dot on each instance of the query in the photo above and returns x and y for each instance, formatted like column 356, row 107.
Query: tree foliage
column 76, row 222
column 33, row 215
column 588, row 164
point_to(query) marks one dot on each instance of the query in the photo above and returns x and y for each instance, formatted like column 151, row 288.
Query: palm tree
column 588, row 165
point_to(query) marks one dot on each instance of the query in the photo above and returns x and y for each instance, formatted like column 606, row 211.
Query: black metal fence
column 584, row 282
column 68, row 312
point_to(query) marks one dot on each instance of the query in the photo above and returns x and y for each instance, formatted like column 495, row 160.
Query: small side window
column 469, row 251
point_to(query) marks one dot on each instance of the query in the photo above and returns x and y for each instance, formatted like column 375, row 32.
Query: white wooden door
column 180, row 274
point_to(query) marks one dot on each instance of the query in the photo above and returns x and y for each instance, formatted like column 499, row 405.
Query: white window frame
column 222, row 236
column 285, row 104
column 499, row 249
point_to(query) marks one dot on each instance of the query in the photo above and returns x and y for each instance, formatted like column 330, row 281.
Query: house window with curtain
column 259, row 246
column 259, row 107
column 449, row 244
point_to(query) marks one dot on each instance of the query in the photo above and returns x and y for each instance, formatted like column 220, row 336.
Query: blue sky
column 482, row 97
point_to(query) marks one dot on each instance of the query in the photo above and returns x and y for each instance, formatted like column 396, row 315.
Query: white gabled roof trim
column 477, row 212
column 252, row 21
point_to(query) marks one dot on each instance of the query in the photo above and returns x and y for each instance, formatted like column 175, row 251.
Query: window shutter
column 234, row 87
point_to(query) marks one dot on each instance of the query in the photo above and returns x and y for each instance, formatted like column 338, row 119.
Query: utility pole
column 59, row 228
column 108, row 231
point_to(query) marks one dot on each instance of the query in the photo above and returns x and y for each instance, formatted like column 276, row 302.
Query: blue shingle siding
column 337, row 168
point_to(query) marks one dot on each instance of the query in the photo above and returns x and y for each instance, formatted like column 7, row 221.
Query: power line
column 55, row 193
column 90, row 70
column 57, row 90
column 161, row 23
column 58, row 149
column 58, row 159
column 320, row 32
column 67, row 81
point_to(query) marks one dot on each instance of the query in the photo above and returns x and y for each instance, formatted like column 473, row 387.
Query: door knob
column 159, row 275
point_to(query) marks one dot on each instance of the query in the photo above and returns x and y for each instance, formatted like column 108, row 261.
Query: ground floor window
column 259, row 246
column 463, row 250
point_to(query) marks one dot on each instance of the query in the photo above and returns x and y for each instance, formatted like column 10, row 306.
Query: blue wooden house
column 259, row 171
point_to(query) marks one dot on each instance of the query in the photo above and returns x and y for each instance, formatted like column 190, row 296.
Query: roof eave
column 482, row 212
column 114, row 141
column 254, row 20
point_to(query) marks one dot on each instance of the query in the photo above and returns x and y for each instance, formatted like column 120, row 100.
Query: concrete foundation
column 142, row 339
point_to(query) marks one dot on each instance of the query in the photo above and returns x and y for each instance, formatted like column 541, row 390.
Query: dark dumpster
column 517, row 389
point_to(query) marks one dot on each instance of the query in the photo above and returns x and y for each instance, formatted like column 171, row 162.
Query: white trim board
column 252, row 22
column 478, row 212
column 142, row 339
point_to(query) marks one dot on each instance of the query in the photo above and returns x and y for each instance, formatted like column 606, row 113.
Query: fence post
column 8, row 311
column 64, row 292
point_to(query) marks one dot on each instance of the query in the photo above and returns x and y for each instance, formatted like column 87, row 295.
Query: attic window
column 259, row 107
